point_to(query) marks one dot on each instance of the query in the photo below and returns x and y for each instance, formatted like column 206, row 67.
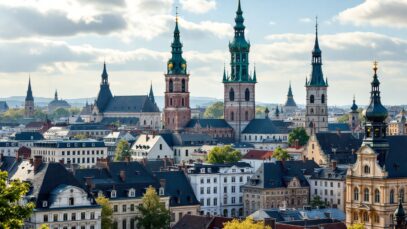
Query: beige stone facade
column 371, row 197
column 313, row 151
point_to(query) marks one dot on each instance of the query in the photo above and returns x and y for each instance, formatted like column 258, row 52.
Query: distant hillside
column 18, row 101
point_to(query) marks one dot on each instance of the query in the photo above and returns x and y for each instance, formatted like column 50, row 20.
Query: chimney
column 147, row 138
column 37, row 162
column 122, row 175
column 127, row 159
column 89, row 183
column 333, row 164
column 102, row 163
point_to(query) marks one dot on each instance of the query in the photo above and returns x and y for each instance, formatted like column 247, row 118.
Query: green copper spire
column 177, row 64
column 225, row 78
column 317, row 77
column 376, row 112
column 239, row 49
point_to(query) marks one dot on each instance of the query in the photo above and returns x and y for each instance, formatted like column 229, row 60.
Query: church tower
column 239, row 86
column 29, row 102
column 316, row 117
column 354, row 121
column 376, row 126
column 177, row 112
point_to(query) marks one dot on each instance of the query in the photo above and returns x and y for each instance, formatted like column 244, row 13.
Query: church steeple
column 177, row 64
column 317, row 76
column 354, row 107
column 376, row 127
column 151, row 94
column 29, row 96
column 105, row 95
column 105, row 76
column 56, row 95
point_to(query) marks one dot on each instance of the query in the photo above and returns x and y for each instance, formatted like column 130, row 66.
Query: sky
column 62, row 45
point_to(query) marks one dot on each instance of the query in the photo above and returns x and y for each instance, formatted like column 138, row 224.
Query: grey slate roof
column 87, row 127
column 278, row 174
column 339, row 147
column 136, row 103
column 208, row 123
column 107, row 179
column 332, row 127
column 266, row 126
column 178, row 188
column 329, row 173
column 8, row 163
column 396, row 158
column 28, row 136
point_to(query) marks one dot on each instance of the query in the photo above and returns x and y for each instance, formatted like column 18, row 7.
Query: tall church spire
column 177, row 64
column 56, row 95
column 105, row 76
column 317, row 77
column 29, row 96
column 151, row 94
column 376, row 127
column 104, row 94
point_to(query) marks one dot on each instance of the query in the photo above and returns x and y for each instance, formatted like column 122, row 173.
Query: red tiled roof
column 258, row 155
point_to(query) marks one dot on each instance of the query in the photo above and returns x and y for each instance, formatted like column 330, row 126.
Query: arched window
column 367, row 169
column 392, row 196
column 71, row 201
column 311, row 99
column 356, row 194
column 246, row 114
column 355, row 216
column 312, row 110
column 247, row 95
column 171, row 86
column 365, row 217
column 366, row 195
column 233, row 212
column 401, row 195
column 232, row 116
column 322, row 98
column 377, row 196
column 225, row 212
column 232, row 95
column 183, row 85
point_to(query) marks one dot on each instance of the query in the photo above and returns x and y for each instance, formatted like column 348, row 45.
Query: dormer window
column 71, row 201
column 100, row 194
column 132, row 193
column 161, row 191
column 44, row 204
column 113, row 194
column 203, row 170
column 209, row 170
column 367, row 169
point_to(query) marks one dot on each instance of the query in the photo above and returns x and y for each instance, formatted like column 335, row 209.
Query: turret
column 354, row 121
column 176, row 64
column 399, row 216
column 29, row 102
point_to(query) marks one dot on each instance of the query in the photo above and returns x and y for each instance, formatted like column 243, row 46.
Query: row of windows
column 225, row 179
column 260, row 137
column 65, row 217
column 214, row 201
column 312, row 98
column 366, row 218
column 366, row 195
column 246, row 116
column 246, row 95
column 74, row 227
column 325, row 184
column 183, row 85
column 215, row 190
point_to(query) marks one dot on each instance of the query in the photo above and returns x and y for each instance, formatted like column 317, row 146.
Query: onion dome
column 376, row 112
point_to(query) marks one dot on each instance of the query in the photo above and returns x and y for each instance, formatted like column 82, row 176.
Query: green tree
column 299, row 134
column 44, row 226
column 243, row 224
column 80, row 136
column 39, row 114
column 223, row 154
column 281, row 154
column 12, row 214
column 357, row 226
column 317, row 202
column 107, row 212
column 260, row 111
column 122, row 150
column 60, row 113
column 74, row 110
column 12, row 115
column 344, row 118
column 152, row 213
column 214, row 111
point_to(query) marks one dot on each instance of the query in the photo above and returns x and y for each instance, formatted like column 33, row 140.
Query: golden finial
column 375, row 63
column 176, row 13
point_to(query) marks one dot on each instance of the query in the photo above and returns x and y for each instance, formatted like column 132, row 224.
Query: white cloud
column 204, row 28
column 198, row 6
column 305, row 20
column 388, row 13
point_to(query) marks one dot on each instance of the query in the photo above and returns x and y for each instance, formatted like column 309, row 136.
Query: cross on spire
column 375, row 64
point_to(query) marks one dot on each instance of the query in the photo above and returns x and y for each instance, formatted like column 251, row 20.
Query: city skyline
column 65, row 51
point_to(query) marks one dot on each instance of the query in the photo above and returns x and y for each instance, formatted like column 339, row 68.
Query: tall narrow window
column 392, row 196
column 183, row 85
column 232, row 95
column 232, row 116
column 401, row 195
column 311, row 99
column 366, row 195
column 377, row 196
column 247, row 95
column 246, row 116
column 356, row 194
column 322, row 98
column 171, row 86
column 183, row 102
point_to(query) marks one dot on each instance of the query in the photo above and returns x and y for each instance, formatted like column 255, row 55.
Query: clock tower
column 177, row 112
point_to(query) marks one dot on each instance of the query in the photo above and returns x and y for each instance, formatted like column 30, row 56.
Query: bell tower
column 29, row 102
column 316, row 117
column 239, row 86
column 177, row 112
column 354, row 121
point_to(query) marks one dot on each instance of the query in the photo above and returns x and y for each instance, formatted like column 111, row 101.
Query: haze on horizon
column 62, row 45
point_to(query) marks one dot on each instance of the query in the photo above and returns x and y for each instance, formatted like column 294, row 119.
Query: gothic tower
column 316, row 117
column 177, row 112
column 29, row 102
column 354, row 121
column 290, row 106
column 376, row 126
column 239, row 86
